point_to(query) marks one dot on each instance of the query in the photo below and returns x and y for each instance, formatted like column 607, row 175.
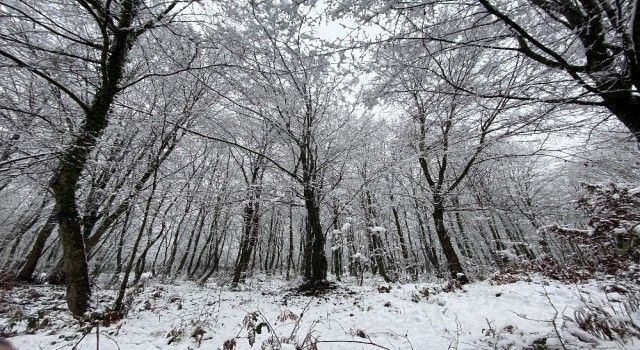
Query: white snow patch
column 481, row 316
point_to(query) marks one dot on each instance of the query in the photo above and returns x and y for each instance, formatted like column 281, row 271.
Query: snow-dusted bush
column 610, row 245
column 612, row 242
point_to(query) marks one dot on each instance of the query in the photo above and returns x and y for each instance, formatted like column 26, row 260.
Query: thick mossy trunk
column 64, row 183
column 74, row 257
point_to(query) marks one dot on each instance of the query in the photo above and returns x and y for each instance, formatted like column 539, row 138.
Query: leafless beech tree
column 108, row 32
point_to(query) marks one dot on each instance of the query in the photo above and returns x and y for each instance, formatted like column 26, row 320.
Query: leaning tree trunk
column 125, row 279
column 73, row 159
column 198, row 225
column 24, row 225
column 403, row 245
column 455, row 267
column 31, row 262
column 64, row 184
column 207, row 246
column 217, row 253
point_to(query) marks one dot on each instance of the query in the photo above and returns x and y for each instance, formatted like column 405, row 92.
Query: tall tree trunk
column 176, row 238
column 64, row 182
column 198, row 224
column 290, row 256
column 377, row 248
column 195, row 246
column 455, row 267
column 316, row 264
column 121, row 239
column 403, row 244
column 217, row 253
column 251, row 229
column 336, row 250
column 125, row 279
column 151, row 240
column 427, row 248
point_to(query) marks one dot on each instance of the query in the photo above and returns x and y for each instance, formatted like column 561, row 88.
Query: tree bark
column 64, row 182
column 403, row 244
column 455, row 267
column 251, row 229
column 316, row 266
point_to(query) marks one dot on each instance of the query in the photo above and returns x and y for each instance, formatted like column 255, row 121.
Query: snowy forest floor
column 535, row 314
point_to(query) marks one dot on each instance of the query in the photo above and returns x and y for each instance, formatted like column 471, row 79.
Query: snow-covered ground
column 409, row 316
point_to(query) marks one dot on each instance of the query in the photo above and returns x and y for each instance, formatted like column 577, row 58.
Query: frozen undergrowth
column 522, row 315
